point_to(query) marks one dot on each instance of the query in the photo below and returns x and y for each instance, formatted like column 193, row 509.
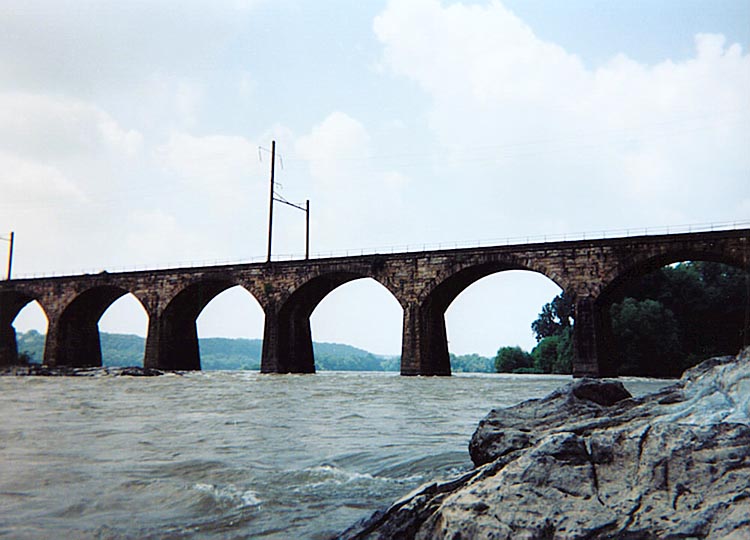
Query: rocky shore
column 65, row 371
column 589, row 461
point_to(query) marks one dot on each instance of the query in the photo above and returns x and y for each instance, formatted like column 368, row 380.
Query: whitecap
column 230, row 495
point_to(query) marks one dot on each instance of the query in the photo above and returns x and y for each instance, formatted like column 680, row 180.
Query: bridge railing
column 602, row 234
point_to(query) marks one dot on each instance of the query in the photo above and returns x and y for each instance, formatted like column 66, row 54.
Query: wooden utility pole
column 10, row 255
column 270, row 203
column 274, row 198
column 307, row 229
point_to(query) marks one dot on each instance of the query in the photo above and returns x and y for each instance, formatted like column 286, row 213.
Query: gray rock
column 40, row 370
column 589, row 461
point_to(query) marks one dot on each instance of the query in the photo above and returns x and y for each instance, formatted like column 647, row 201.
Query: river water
column 234, row 454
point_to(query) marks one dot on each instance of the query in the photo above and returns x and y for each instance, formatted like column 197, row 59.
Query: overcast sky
column 129, row 135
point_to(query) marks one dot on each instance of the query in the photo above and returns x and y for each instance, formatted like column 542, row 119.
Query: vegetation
column 218, row 353
column 678, row 316
column 472, row 363
column 662, row 323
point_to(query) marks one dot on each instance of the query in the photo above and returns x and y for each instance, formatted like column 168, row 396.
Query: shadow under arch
column 433, row 357
column 172, row 342
column 633, row 270
column 287, row 341
column 12, row 302
column 76, row 342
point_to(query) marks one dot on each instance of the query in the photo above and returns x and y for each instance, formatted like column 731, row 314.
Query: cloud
column 50, row 127
column 356, row 200
column 623, row 144
column 88, row 47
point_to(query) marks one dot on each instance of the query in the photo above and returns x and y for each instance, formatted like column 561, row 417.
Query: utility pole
column 278, row 198
column 307, row 229
column 270, row 204
column 10, row 253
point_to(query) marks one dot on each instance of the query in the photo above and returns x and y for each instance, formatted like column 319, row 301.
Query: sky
column 136, row 134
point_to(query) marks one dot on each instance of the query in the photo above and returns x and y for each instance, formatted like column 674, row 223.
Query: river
column 234, row 455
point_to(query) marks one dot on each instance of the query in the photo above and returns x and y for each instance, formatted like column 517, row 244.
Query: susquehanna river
column 233, row 454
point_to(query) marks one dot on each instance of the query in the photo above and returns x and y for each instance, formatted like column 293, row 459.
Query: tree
column 709, row 308
column 511, row 359
column 647, row 336
column 555, row 317
column 554, row 332
column 554, row 354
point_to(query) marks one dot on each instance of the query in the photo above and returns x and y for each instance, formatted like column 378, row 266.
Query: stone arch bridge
column 424, row 283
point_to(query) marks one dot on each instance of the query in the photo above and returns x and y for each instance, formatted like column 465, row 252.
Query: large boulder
column 590, row 461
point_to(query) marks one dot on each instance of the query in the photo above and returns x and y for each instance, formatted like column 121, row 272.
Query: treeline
column 663, row 323
column 120, row 350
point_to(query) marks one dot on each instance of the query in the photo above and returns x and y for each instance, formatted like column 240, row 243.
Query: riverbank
column 590, row 461
column 66, row 371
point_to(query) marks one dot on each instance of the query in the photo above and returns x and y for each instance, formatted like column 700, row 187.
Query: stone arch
column 644, row 263
column 464, row 275
column 430, row 352
column 636, row 267
column 172, row 341
column 74, row 340
column 287, row 341
column 12, row 301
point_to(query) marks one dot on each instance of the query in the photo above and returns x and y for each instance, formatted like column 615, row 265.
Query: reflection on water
column 234, row 454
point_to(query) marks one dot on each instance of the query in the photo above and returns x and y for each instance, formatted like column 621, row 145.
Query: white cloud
column 50, row 127
column 354, row 197
column 623, row 144
column 86, row 47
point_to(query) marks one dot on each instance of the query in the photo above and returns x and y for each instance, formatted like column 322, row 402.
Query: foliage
column 648, row 336
column 510, row 359
column 219, row 353
column 555, row 318
column 662, row 323
column 472, row 363
column 709, row 303
column 31, row 346
column 339, row 357
column 554, row 354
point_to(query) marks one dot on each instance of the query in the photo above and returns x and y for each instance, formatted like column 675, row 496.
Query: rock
column 66, row 371
column 590, row 461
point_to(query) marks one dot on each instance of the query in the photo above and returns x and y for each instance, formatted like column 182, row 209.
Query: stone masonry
column 424, row 283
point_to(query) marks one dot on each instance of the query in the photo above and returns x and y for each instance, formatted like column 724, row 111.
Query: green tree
column 554, row 354
column 709, row 305
column 511, row 359
column 648, row 338
column 553, row 329
column 555, row 317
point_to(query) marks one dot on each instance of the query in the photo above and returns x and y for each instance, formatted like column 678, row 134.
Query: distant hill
column 234, row 354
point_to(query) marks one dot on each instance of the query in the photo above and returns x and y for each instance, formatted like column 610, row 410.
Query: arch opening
column 122, row 332
column 23, row 329
column 288, row 345
column 174, row 342
column 78, row 342
column 230, row 331
column 358, row 327
column 489, row 316
column 665, row 315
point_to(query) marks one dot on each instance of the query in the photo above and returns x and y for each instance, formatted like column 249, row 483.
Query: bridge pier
column 11, row 303
column 8, row 344
column 73, row 341
column 287, row 342
column 424, row 343
column 591, row 334
column 172, row 343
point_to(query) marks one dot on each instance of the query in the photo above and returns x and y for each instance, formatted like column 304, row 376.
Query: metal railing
column 602, row 234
